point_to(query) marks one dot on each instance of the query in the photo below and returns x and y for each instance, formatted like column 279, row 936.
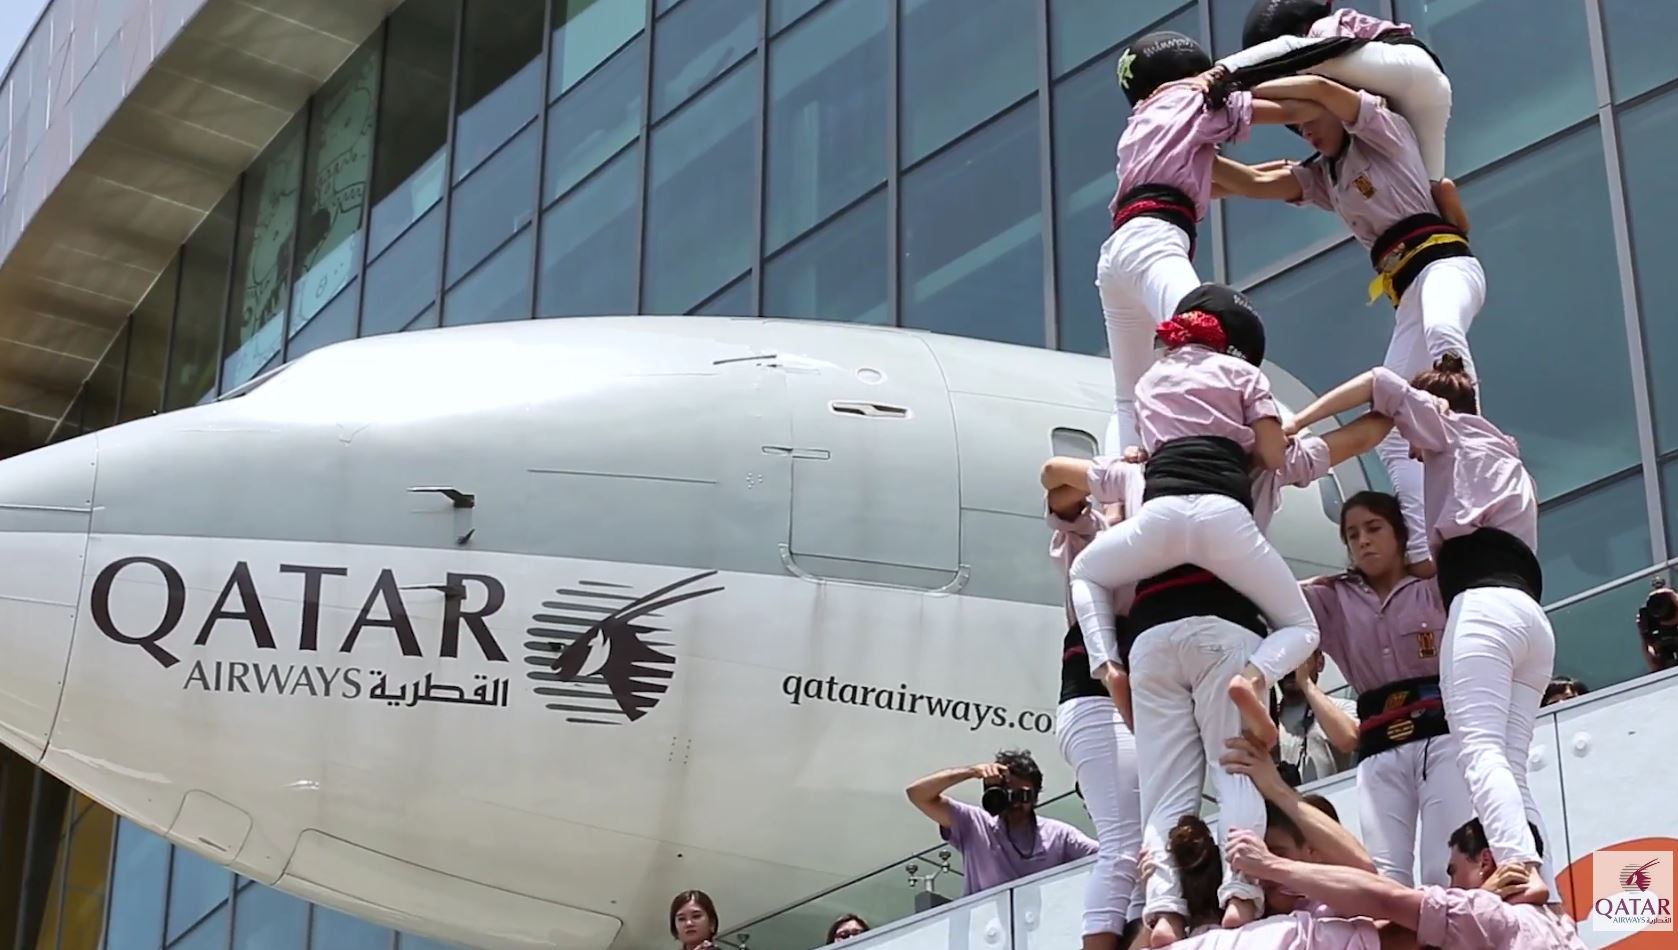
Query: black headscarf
column 1156, row 59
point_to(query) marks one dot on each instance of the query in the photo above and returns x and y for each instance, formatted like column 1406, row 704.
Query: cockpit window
column 251, row 386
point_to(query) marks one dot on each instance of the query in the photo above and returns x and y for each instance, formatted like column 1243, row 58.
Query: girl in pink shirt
column 1164, row 188
column 1482, row 517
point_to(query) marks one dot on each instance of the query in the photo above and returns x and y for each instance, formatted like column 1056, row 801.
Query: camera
column 999, row 798
column 1657, row 620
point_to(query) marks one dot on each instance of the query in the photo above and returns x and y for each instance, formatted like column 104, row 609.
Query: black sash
column 1157, row 201
column 1199, row 465
column 1305, row 58
column 1075, row 678
column 1488, row 558
column 1188, row 591
column 1400, row 713
column 1396, row 241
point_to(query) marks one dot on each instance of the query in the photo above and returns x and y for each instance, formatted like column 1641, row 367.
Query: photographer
column 1005, row 840
column 1317, row 733
column 1657, row 624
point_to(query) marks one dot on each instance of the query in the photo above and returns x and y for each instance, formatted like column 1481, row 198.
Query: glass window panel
column 586, row 33
column 89, row 868
column 1669, row 502
column 47, row 928
column 595, row 121
column 975, row 267
column 1596, row 639
column 827, row 115
column 209, row 935
column 499, row 290
column 411, row 942
column 334, row 323
column 148, row 346
column 588, row 244
column 735, row 300
column 1261, row 233
column 1090, row 111
column 1594, row 538
column 1639, row 37
column 701, row 195
column 1538, row 290
column 697, row 44
column 196, row 886
column 413, row 117
column 425, row 321
column 269, row 920
column 962, row 63
column 664, row 5
column 783, row 12
column 837, row 273
column 203, row 299
column 493, row 205
column 500, row 77
column 1079, row 29
column 339, row 154
column 1651, row 205
column 340, row 931
column 403, row 280
column 262, row 265
column 104, row 386
column 1500, row 101
column 137, row 890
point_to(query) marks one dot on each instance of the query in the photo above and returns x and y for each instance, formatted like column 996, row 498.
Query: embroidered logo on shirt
column 1426, row 648
column 1364, row 186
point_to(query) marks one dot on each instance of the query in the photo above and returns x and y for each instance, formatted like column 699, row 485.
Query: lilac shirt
column 1305, row 461
column 1194, row 391
column 1472, row 475
column 1172, row 138
column 1480, row 920
column 1358, row 26
column 989, row 858
column 1379, row 180
column 1376, row 641
column 1299, row 930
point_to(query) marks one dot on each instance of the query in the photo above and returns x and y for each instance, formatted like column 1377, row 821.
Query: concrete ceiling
column 117, row 185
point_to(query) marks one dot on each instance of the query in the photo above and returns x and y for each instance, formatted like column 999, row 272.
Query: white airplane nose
column 46, row 502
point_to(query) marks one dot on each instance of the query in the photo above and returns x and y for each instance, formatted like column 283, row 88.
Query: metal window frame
column 446, row 202
column 1046, row 177
column 894, row 156
column 645, row 143
column 760, row 159
column 533, row 296
column 366, row 226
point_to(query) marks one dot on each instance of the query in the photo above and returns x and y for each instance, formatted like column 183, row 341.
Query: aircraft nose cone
column 46, row 502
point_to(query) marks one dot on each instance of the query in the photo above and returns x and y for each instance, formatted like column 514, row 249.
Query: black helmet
column 1157, row 59
column 1235, row 313
column 1269, row 19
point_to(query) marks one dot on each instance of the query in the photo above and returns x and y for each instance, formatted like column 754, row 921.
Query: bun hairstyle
column 1200, row 868
column 1450, row 381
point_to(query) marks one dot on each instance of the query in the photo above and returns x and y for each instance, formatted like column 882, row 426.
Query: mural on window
column 340, row 157
column 263, row 268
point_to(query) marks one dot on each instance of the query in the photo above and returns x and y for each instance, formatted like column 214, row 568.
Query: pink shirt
column 1480, row 920
column 1306, row 460
column 1378, row 181
column 1194, row 391
column 1358, row 26
column 1299, row 930
column 1378, row 641
column 1472, row 474
column 1172, row 138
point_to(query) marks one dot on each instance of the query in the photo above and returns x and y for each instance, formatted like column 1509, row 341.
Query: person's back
column 1193, row 391
column 1172, row 138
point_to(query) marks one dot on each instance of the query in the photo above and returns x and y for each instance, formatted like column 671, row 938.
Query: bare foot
column 1239, row 912
column 1167, row 930
column 1255, row 716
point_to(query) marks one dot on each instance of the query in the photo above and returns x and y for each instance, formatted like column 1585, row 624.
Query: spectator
column 1319, row 733
column 846, row 927
column 1005, row 840
column 693, row 920
column 1562, row 689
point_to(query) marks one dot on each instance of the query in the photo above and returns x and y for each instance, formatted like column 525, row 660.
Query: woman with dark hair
column 1498, row 650
column 1383, row 626
column 846, row 927
column 693, row 920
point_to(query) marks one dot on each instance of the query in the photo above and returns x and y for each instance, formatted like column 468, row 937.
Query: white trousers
column 1418, row 780
column 1098, row 746
column 1179, row 672
column 1499, row 655
column 1405, row 75
column 1433, row 318
column 1143, row 273
column 1217, row 534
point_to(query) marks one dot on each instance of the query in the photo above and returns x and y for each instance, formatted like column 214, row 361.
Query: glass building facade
column 937, row 164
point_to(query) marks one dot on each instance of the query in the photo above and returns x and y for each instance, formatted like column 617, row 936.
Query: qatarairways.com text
column 800, row 689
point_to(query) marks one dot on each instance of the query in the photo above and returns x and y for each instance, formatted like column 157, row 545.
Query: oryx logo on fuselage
column 594, row 661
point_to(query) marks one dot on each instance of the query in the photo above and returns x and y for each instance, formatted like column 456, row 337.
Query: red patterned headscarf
column 1195, row 326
